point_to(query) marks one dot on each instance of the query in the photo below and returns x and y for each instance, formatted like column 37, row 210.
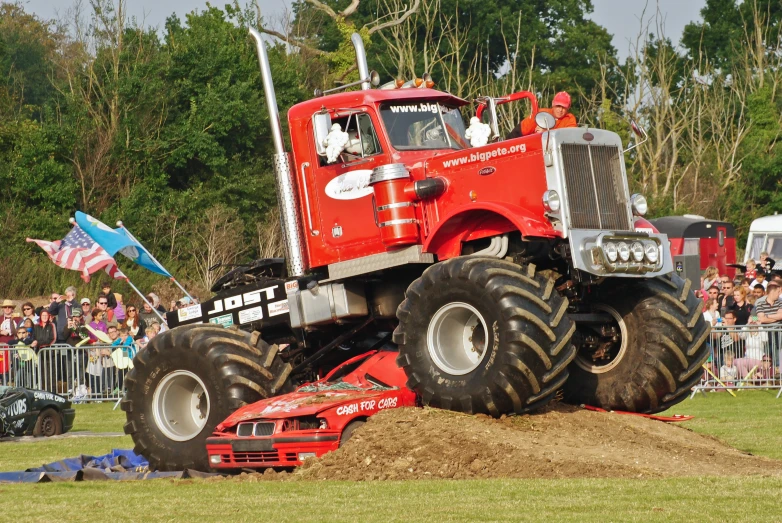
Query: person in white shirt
column 712, row 312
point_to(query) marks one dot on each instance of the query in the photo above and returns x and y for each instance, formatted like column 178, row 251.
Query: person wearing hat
column 86, row 311
column 560, row 110
column 8, row 323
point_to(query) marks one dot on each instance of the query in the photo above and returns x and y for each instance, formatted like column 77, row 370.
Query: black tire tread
column 239, row 364
column 534, row 363
column 674, row 334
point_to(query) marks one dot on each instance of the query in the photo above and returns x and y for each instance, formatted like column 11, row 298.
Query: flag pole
column 120, row 224
column 157, row 312
column 72, row 221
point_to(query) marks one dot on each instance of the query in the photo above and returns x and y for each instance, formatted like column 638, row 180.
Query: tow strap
column 668, row 419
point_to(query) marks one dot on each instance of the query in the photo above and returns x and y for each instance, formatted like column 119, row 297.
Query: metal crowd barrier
column 88, row 373
column 742, row 357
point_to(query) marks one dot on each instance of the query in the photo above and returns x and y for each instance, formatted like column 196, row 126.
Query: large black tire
column 661, row 361
column 49, row 423
column 189, row 379
column 523, row 345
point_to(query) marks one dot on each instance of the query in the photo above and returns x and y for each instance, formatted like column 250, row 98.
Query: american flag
column 78, row 252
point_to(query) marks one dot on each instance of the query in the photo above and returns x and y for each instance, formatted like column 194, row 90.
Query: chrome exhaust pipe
column 361, row 59
column 292, row 235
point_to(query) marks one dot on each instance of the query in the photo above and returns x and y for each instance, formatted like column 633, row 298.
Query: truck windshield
column 419, row 125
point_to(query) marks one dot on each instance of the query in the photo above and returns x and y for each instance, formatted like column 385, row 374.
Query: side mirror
column 545, row 121
column 374, row 78
column 637, row 130
column 640, row 132
column 321, row 125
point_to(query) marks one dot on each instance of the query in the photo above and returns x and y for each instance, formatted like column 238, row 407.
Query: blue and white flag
column 118, row 240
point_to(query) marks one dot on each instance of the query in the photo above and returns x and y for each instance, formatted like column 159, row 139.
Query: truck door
column 340, row 194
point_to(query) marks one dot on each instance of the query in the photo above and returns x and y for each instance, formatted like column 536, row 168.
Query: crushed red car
column 314, row 419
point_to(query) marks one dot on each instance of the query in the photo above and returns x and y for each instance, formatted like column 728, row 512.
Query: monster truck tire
column 49, row 423
column 482, row 335
column 189, row 379
column 662, row 358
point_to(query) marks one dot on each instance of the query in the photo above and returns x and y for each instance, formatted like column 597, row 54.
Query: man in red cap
column 560, row 108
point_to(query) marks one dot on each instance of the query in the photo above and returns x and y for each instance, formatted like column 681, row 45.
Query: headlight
column 610, row 250
column 306, row 455
column 652, row 252
column 638, row 202
column 214, row 459
column 624, row 251
column 637, row 250
column 551, row 201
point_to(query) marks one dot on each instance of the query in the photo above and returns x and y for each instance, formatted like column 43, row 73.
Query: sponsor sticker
column 291, row 286
column 278, row 307
column 250, row 315
column 189, row 313
column 351, row 185
column 226, row 320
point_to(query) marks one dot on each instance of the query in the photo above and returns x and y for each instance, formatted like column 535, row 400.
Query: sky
column 622, row 18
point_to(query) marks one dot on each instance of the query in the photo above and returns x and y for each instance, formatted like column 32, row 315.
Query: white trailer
column 765, row 235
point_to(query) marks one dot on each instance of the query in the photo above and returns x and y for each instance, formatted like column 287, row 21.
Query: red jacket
column 528, row 124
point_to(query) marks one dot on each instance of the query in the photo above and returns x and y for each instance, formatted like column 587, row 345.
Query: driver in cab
column 560, row 110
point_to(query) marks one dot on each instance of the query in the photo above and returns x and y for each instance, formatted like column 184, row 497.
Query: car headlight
column 637, row 250
column 639, row 205
column 214, row 459
column 652, row 252
column 624, row 251
column 610, row 250
column 551, row 201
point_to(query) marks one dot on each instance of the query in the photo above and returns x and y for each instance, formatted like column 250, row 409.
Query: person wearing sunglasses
column 28, row 312
column 103, row 305
column 86, row 310
column 133, row 322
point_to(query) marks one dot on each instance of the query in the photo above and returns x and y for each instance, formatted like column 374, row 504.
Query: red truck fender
column 479, row 220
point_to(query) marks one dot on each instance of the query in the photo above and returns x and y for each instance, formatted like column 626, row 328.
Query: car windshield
column 414, row 126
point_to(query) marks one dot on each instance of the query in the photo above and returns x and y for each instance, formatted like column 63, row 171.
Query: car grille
column 595, row 187
column 243, row 458
column 245, row 430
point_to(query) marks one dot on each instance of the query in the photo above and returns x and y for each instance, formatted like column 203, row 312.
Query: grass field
column 751, row 423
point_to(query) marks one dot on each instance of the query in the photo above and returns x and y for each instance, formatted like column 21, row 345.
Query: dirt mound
column 561, row 442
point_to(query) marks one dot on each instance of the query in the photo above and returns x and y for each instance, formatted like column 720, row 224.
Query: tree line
column 166, row 128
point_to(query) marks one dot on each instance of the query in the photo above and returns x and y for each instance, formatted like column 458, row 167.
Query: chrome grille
column 245, row 430
column 595, row 187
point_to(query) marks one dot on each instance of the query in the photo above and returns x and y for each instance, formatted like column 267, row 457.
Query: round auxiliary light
column 652, row 252
column 637, row 250
column 551, row 201
column 638, row 202
column 624, row 251
column 610, row 250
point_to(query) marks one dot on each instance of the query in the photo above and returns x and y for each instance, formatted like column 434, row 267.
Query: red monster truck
column 314, row 419
column 503, row 272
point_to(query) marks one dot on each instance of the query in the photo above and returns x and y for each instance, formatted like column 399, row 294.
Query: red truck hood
column 335, row 389
column 296, row 404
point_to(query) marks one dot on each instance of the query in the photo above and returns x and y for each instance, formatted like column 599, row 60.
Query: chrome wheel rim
column 457, row 338
column 181, row 405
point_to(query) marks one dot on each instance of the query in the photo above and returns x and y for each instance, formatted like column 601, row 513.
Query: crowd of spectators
column 743, row 307
column 103, row 325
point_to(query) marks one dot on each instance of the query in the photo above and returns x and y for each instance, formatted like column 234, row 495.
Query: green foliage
column 150, row 131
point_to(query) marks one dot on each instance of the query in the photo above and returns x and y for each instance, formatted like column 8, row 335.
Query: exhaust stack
column 292, row 235
column 361, row 59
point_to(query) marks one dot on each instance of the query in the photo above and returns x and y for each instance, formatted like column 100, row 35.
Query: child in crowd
column 728, row 372
column 750, row 272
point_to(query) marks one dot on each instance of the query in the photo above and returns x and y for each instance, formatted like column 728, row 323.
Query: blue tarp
column 117, row 465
